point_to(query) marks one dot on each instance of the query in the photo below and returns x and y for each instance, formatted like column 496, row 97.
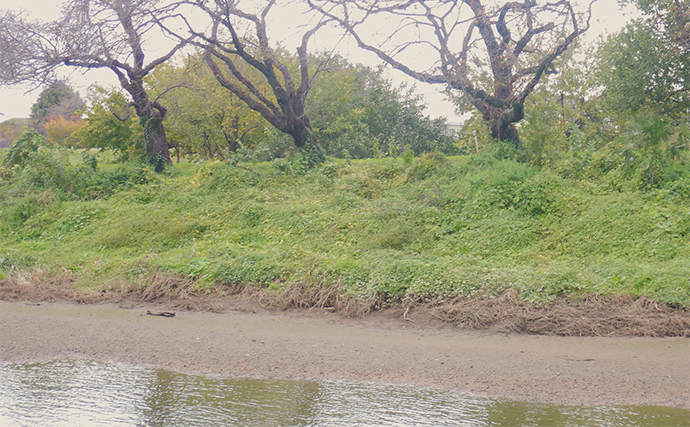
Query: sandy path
column 600, row 371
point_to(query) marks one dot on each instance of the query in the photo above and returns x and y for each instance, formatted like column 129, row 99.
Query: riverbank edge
column 569, row 315
column 247, row 341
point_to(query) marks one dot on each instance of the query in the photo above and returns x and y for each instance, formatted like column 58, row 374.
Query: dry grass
column 592, row 315
column 297, row 296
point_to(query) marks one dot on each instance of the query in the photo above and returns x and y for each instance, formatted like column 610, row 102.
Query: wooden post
column 476, row 143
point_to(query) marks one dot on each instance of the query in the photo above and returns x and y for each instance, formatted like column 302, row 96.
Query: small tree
column 23, row 147
column 63, row 132
column 104, row 130
column 204, row 118
column 645, row 66
column 358, row 113
column 58, row 99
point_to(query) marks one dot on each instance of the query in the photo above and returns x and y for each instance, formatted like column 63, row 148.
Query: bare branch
column 526, row 32
column 127, row 108
column 242, row 59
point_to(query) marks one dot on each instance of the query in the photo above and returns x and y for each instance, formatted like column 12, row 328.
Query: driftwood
column 162, row 313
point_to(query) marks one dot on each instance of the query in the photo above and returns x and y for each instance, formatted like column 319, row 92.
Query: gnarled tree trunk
column 151, row 115
column 156, row 143
column 513, row 43
column 502, row 122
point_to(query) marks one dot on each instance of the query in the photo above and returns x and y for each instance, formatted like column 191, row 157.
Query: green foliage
column 653, row 144
column 596, row 200
column 380, row 228
column 427, row 165
column 643, row 70
column 104, row 130
column 21, row 210
column 358, row 114
column 68, row 176
column 353, row 111
column 58, row 99
column 204, row 119
column 22, row 148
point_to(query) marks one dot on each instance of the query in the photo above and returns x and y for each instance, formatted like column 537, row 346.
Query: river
column 88, row 393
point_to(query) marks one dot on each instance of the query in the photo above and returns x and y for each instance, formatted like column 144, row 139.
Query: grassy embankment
column 376, row 228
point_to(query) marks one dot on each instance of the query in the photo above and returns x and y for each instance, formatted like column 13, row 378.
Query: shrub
column 23, row 147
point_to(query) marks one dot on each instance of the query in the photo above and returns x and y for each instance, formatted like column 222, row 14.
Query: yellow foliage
column 62, row 132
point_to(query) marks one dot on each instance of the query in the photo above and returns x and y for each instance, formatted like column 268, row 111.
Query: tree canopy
column 239, row 91
column 646, row 67
column 238, row 47
column 57, row 100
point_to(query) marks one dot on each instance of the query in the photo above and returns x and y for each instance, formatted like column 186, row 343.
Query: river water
column 87, row 393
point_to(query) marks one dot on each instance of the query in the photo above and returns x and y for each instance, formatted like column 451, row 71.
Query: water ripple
column 86, row 393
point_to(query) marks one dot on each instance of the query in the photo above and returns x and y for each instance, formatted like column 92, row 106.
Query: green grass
column 384, row 228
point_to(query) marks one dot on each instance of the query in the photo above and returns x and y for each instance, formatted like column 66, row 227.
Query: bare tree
column 94, row 34
column 493, row 55
column 238, row 49
column 14, row 44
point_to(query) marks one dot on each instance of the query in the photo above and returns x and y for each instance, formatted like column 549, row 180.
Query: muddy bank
column 315, row 344
column 589, row 315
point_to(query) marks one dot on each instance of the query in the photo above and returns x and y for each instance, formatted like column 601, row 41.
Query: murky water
column 84, row 393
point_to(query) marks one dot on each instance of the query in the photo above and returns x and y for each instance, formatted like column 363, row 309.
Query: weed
column 380, row 229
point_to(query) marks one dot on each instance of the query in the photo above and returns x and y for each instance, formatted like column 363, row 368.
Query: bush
column 462, row 226
column 23, row 147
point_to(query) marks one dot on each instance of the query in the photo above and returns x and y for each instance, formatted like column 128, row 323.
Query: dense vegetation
column 594, row 199
column 394, row 227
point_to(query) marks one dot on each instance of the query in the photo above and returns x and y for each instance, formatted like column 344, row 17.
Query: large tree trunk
column 502, row 122
column 151, row 115
column 299, row 128
column 505, row 132
column 300, row 133
column 157, row 149
column 303, row 136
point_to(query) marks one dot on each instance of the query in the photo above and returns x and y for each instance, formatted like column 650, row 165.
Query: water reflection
column 84, row 393
column 177, row 399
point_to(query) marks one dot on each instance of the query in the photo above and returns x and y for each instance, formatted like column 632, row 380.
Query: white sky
column 15, row 102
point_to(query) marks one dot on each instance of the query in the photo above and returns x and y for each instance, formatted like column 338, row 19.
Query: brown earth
column 590, row 315
column 247, row 341
column 318, row 345
column 325, row 336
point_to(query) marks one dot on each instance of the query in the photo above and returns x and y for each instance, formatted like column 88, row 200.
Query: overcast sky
column 16, row 102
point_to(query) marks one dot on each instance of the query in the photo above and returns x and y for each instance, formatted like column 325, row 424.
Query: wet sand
column 317, row 345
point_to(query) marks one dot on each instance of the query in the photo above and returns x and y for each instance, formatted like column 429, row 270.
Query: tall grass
column 385, row 228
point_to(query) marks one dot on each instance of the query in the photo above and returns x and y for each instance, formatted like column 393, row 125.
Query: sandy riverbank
column 250, row 342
